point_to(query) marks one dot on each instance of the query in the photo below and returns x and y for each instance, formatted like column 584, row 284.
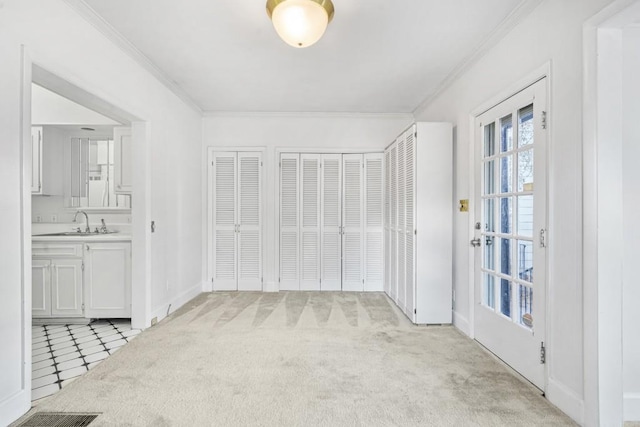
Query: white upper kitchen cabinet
column 122, row 165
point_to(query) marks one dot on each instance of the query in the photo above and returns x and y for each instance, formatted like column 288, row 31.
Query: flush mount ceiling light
column 300, row 23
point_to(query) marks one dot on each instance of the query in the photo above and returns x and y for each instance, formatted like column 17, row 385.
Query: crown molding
column 492, row 39
column 91, row 16
column 308, row 115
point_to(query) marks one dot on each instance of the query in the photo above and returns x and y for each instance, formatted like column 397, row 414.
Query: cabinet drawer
column 55, row 249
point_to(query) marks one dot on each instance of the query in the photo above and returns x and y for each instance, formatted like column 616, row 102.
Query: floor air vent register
column 58, row 419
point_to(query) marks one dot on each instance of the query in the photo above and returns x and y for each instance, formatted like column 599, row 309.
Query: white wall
column 294, row 132
column 60, row 41
column 552, row 32
column 631, row 214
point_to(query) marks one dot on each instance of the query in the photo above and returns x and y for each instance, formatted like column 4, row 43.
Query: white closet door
column 352, row 238
column 331, row 221
column 387, row 231
column 310, row 222
column 373, row 223
column 249, row 221
column 289, row 222
column 401, row 224
column 224, row 220
column 393, row 250
column 410, row 157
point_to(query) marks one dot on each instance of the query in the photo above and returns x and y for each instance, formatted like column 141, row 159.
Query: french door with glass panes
column 511, row 215
column 237, row 221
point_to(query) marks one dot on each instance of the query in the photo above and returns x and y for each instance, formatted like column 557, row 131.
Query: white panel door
column 249, row 221
column 289, row 222
column 331, row 222
column 373, row 223
column 393, row 223
column 224, row 221
column 41, row 287
column 352, row 223
column 387, row 220
column 310, row 222
column 66, row 288
column 410, row 227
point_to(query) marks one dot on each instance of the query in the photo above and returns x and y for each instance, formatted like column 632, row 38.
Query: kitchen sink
column 78, row 233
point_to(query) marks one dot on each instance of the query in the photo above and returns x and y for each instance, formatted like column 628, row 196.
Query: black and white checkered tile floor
column 61, row 353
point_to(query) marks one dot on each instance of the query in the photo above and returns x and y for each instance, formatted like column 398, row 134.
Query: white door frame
column 208, row 283
column 31, row 71
column 602, row 212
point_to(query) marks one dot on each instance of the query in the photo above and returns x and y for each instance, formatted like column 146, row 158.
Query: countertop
column 114, row 237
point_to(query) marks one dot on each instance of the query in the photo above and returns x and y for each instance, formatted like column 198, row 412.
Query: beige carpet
column 302, row 359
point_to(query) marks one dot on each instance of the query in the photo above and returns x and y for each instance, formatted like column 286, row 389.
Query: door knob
column 476, row 242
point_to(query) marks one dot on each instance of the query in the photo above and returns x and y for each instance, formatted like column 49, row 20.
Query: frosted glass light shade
column 300, row 23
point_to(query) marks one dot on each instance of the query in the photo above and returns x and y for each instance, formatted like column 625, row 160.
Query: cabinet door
column 393, row 215
column 36, row 159
column 352, row 239
column 107, row 280
column 387, row 221
column 373, row 222
column 310, row 222
column 289, row 222
column 331, row 222
column 249, row 221
column 41, row 288
column 401, row 226
column 66, row 287
column 224, row 222
column 409, row 253
column 122, row 162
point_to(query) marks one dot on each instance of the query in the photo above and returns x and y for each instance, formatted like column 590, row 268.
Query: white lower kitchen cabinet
column 107, row 278
column 57, row 287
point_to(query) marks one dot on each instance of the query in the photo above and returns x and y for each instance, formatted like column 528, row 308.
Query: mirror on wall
column 91, row 175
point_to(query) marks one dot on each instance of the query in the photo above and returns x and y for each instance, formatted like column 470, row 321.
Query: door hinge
column 543, row 353
column 83, row 306
column 363, row 281
column 211, row 162
column 82, row 266
column 543, row 238
column 415, row 311
column 262, row 280
column 544, row 120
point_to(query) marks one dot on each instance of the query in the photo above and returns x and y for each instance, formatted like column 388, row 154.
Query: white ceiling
column 377, row 56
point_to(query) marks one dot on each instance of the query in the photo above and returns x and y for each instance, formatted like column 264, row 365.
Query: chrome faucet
column 75, row 217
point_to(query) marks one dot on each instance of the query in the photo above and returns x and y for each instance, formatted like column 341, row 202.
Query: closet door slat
column 289, row 222
column 352, row 222
column 331, row 222
column 373, row 222
column 310, row 222
column 249, row 221
column 224, row 219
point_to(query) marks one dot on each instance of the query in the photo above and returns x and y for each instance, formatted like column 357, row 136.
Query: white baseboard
column 632, row 406
column 14, row 407
column 566, row 400
column 177, row 302
column 207, row 286
column 270, row 287
column 461, row 323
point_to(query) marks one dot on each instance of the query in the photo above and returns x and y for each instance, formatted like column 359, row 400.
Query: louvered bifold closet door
column 224, row 220
column 249, row 221
column 310, row 222
column 373, row 223
column 401, row 229
column 331, row 222
column 387, row 231
column 352, row 223
column 289, row 222
column 410, row 209
column 393, row 224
